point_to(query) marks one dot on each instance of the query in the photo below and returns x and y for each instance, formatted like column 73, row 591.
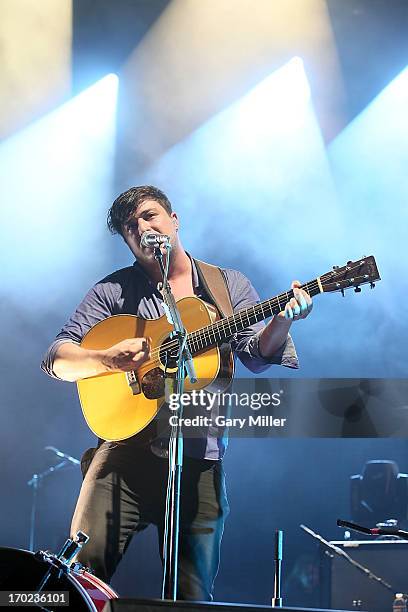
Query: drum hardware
column 22, row 570
column 60, row 563
column 36, row 480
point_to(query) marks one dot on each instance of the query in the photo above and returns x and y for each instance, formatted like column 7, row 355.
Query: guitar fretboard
column 224, row 329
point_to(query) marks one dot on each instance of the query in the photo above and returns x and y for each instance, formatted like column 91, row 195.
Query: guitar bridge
column 133, row 382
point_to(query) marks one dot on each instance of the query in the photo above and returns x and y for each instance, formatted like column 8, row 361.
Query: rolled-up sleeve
column 47, row 364
column 96, row 306
column 245, row 344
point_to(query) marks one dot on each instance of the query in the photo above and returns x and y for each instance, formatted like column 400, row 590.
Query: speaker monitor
column 344, row 586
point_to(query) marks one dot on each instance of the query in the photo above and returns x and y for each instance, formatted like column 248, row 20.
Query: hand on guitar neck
column 275, row 333
column 298, row 307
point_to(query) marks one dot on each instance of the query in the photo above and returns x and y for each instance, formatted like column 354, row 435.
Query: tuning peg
column 336, row 267
column 349, row 262
column 357, row 289
column 372, row 285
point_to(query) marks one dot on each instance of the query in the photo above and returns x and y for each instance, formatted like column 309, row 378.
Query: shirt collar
column 195, row 279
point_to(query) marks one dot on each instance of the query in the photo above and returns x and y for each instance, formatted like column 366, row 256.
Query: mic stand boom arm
column 374, row 531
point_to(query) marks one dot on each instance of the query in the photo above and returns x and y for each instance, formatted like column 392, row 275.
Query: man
column 124, row 488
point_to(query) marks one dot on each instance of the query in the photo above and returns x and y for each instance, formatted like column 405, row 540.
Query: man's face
column 150, row 216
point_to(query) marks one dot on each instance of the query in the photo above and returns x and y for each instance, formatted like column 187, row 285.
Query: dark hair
column 126, row 204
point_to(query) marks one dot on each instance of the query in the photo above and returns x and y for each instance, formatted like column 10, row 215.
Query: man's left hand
column 300, row 306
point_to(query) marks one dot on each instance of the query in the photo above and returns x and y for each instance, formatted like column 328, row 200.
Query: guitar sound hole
column 168, row 357
column 153, row 385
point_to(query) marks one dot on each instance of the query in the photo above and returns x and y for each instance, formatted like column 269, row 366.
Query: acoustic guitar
column 118, row 405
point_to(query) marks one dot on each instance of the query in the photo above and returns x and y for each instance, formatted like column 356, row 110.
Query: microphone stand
column 277, row 595
column 184, row 365
column 35, row 482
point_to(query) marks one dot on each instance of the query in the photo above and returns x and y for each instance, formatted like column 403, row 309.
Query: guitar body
column 118, row 405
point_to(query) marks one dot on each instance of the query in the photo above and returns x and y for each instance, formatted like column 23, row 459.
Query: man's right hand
column 72, row 362
column 126, row 355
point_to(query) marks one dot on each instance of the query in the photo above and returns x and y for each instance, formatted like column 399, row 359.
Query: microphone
column 153, row 240
column 62, row 455
column 374, row 530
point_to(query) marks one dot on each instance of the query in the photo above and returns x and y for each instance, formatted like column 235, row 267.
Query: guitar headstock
column 353, row 274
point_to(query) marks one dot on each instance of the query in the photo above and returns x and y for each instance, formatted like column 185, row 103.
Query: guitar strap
column 215, row 284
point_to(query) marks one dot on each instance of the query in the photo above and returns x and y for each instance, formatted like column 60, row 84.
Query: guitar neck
column 223, row 330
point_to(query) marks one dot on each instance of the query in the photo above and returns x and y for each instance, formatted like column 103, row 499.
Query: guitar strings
column 224, row 325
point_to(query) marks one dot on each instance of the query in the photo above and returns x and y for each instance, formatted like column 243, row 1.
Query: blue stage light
column 369, row 161
column 56, row 185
